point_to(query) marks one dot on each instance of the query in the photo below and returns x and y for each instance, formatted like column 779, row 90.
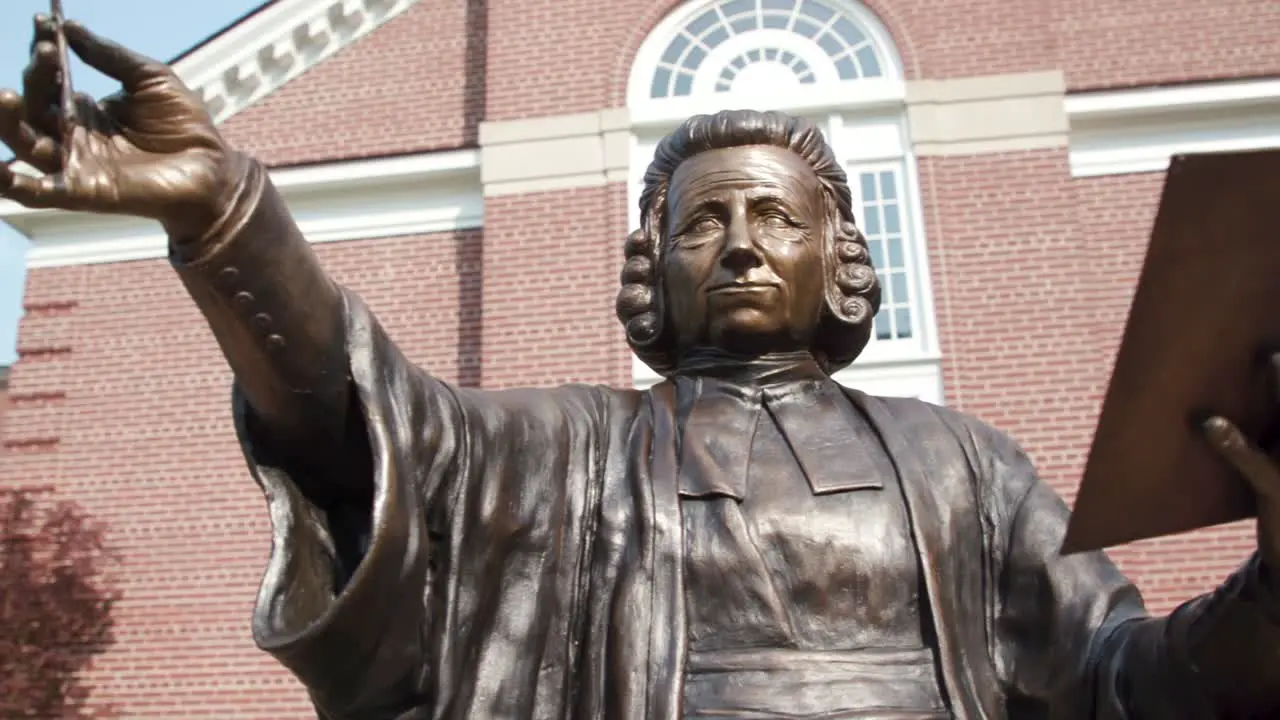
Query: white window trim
column 1139, row 131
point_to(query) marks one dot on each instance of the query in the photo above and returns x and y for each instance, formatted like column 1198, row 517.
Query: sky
column 159, row 28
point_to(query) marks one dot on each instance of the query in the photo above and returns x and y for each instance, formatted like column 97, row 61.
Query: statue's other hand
column 150, row 150
column 1261, row 471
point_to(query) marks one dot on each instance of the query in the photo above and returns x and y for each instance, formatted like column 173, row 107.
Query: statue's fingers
column 46, row 191
column 1257, row 468
column 112, row 59
column 45, row 31
column 40, row 91
column 36, row 149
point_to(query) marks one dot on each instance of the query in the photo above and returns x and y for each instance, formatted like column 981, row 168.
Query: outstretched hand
column 1260, row 470
column 150, row 151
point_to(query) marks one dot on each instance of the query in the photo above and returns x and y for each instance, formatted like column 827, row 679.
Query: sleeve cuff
column 335, row 639
column 244, row 200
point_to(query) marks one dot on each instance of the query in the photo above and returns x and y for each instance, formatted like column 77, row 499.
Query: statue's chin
column 751, row 333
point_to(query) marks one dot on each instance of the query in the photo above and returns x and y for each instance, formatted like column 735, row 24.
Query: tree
column 55, row 605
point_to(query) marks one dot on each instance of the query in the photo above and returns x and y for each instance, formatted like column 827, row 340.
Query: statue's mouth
column 733, row 287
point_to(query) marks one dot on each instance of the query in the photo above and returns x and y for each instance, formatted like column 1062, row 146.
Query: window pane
column 806, row 27
column 776, row 21
column 786, row 5
column 891, row 218
column 898, row 283
column 870, row 64
column 745, row 23
column 739, row 7
column 715, row 37
column 702, row 23
column 873, row 220
column 661, row 83
column 888, row 185
column 694, row 58
column 896, row 257
column 817, row 11
column 684, row 84
column 883, row 331
column 846, row 68
column 830, row 44
column 848, row 32
column 868, row 187
column 875, row 247
column 675, row 49
column 902, row 323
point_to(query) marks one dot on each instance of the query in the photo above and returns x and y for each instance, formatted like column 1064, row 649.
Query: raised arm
column 152, row 151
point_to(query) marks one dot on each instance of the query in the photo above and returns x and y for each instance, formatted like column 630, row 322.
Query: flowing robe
column 527, row 563
column 525, row 552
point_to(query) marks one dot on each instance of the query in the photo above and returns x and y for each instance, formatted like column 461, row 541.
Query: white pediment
column 274, row 45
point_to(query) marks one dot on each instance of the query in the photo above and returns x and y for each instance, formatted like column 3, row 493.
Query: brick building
column 462, row 163
column 4, row 398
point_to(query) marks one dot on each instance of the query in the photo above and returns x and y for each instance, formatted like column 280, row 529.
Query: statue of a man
column 747, row 539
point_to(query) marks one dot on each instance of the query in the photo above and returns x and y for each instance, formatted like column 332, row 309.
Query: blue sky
column 159, row 28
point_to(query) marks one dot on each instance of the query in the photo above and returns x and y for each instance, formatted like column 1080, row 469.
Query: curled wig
column 852, row 289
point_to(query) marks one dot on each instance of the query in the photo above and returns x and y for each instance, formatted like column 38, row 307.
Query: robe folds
column 526, row 562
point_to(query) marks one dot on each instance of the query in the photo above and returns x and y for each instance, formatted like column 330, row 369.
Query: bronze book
column 1205, row 315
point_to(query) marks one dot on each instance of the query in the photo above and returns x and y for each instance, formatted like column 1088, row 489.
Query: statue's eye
column 775, row 218
column 706, row 223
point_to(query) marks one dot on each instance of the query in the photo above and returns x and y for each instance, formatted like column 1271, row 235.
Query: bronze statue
column 747, row 539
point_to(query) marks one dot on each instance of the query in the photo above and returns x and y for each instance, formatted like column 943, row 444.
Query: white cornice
column 1135, row 131
column 408, row 195
column 275, row 45
column 1217, row 95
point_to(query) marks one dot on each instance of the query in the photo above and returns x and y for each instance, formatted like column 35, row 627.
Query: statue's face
column 743, row 267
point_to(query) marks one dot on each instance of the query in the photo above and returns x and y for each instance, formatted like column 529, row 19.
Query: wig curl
column 851, row 287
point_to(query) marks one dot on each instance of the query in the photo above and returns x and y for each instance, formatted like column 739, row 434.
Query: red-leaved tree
column 55, row 606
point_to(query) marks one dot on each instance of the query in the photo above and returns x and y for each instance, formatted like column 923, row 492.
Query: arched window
column 747, row 43
column 833, row 62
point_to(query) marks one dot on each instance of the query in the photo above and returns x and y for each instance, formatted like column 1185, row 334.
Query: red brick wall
column 1115, row 43
column 550, row 276
column 121, row 401
column 4, row 400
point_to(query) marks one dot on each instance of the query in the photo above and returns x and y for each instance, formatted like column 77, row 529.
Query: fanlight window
column 759, row 43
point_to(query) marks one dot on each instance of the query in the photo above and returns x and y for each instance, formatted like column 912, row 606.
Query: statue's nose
column 740, row 252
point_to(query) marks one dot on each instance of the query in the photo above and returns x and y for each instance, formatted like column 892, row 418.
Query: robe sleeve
column 1075, row 641
column 366, row 637
column 331, row 625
